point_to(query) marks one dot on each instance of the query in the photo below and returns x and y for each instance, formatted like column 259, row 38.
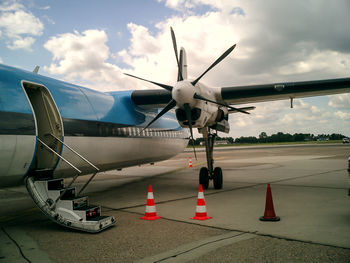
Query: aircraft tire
column 217, row 178
column 204, row 177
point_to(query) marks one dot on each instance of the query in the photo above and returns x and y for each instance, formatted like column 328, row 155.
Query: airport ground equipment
column 61, row 203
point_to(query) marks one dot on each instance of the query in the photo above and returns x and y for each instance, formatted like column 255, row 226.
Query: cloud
column 82, row 57
column 47, row 7
column 1, row 61
column 22, row 43
column 341, row 101
column 19, row 26
column 343, row 115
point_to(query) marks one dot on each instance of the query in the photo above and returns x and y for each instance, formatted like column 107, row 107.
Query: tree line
column 277, row 137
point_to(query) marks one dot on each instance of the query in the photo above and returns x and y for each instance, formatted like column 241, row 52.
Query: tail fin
column 183, row 63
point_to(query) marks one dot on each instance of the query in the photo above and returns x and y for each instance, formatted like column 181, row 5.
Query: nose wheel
column 206, row 174
column 216, row 176
column 204, row 177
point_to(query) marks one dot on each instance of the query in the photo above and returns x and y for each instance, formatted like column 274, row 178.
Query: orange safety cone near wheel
column 269, row 214
column 201, row 211
column 190, row 162
column 151, row 213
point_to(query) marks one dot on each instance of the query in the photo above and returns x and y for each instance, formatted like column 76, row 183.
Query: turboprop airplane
column 50, row 130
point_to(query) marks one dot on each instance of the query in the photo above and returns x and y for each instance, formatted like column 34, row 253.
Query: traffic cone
column 269, row 214
column 201, row 211
column 151, row 213
column 190, row 163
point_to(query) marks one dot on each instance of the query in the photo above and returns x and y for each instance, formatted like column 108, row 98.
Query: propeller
column 167, row 108
column 167, row 87
column 199, row 97
column 214, row 64
column 179, row 75
column 186, row 86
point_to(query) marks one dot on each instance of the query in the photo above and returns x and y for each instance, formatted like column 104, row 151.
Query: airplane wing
column 280, row 91
column 157, row 98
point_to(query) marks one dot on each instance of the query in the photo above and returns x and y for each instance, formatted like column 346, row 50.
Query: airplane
column 50, row 130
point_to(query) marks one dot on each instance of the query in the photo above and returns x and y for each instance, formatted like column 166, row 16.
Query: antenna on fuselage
column 36, row 70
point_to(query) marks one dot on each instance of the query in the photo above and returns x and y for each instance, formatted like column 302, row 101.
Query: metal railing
column 71, row 165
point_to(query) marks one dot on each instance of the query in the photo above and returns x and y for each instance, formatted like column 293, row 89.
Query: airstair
column 62, row 204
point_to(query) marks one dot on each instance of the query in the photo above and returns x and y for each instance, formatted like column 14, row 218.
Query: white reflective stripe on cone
column 150, row 209
column 150, row 195
column 201, row 209
column 200, row 195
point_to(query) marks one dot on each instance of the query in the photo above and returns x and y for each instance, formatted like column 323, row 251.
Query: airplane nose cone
column 183, row 92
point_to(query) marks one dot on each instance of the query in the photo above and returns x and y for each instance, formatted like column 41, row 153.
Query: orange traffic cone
column 201, row 211
column 151, row 213
column 190, row 163
column 269, row 214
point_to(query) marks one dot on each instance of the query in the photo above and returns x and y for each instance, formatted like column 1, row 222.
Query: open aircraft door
column 48, row 125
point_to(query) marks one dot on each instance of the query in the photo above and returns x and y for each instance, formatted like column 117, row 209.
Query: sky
column 92, row 43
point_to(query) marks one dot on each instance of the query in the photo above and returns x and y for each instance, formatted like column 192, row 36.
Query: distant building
column 323, row 139
column 222, row 142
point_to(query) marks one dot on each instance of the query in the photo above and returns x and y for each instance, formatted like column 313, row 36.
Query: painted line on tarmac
column 197, row 249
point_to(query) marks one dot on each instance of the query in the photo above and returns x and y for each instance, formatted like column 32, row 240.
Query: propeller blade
column 179, row 75
column 244, row 109
column 188, row 117
column 167, row 108
column 199, row 97
column 167, row 87
column 215, row 63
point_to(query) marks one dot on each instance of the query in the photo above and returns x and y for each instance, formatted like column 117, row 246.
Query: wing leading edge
column 280, row 91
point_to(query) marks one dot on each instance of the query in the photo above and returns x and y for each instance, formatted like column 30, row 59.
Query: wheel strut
column 210, row 173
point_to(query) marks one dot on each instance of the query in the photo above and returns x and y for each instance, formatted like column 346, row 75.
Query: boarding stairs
column 62, row 204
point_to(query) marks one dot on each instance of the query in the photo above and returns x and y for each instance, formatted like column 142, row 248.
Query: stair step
column 55, row 184
column 70, row 211
column 70, row 193
column 78, row 202
column 41, row 173
column 97, row 218
column 90, row 211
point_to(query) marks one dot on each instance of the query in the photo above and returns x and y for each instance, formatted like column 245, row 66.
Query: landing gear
column 206, row 174
column 217, row 178
column 204, row 177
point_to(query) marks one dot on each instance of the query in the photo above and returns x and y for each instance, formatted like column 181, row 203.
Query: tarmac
column 310, row 193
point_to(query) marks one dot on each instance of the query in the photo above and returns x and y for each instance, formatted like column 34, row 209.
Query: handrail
column 75, row 177
column 86, row 184
column 49, row 148
column 82, row 157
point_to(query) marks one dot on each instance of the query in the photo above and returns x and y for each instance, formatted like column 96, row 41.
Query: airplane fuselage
column 105, row 128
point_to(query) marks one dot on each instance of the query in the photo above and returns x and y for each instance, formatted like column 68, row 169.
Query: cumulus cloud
column 341, row 101
column 83, row 57
column 18, row 25
column 343, row 115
